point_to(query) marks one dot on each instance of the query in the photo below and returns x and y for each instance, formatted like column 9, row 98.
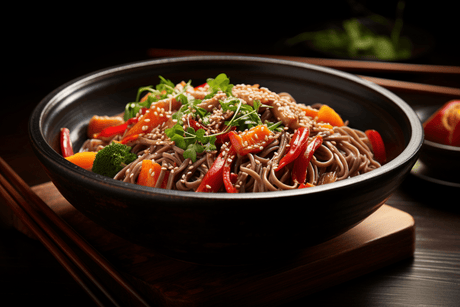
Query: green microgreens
column 194, row 142
column 220, row 83
column 246, row 116
column 191, row 141
column 161, row 91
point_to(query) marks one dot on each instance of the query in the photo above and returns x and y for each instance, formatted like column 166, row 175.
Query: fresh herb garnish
column 220, row 83
column 246, row 116
column 193, row 142
column 161, row 91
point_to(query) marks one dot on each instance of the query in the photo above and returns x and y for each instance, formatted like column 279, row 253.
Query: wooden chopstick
column 17, row 204
column 350, row 65
column 29, row 214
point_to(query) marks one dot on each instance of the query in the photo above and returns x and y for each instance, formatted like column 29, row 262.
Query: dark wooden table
column 30, row 275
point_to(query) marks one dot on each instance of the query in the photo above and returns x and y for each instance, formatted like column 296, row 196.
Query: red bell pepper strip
column 130, row 138
column 224, row 137
column 299, row 171
column 296, row 146
column 195, row 125
column 378, row 147
column 213, row 180
column 202, row 85
column 252, row 141
column 444, row 125
column 227, row 175
column 66, row 144
column 119, row 129
column 305, row 185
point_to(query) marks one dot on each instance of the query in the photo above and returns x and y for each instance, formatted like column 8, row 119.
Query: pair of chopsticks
column 40, row 218
column 350, row 66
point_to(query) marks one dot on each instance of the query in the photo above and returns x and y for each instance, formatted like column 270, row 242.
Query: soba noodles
column 344, row 152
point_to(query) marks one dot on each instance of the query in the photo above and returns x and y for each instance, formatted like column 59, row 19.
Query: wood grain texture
column 384, row 238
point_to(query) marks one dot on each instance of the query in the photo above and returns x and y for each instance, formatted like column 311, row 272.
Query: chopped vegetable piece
column 327, row 114
column 305, row 185
column 98, row 123
column 84, row 159
column 154, row 117
column 112, row 131
column 227, row 175
column 200, row 86
column 309, row 111
column 252, row 141
column 149, row 174
column 296, row 146
column 66, row 144
column 112, row 158
column 378, row 147
column 213, row 180
column 299, row 171
column 444, row 125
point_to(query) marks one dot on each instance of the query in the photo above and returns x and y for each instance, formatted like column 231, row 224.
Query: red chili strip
column 202, row 85
column 66, row 144
column 305, row 185
column 119, row 129
column 299, row 171
column 227, row 175
column 213, row 180
column 378, row 147
column 296, row 146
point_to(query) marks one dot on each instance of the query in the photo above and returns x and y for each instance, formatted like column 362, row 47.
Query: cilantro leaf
column 161, row 91
column 219, row 83
column 191, row 141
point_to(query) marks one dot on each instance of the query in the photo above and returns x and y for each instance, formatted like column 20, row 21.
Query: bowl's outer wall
column 219, row 229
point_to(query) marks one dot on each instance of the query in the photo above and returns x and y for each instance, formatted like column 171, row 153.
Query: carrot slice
column 251, row 141
column 309, row 111
column 327, row 114
column 154, row 117
column 98, row 123
column 83, row 159
column 150, row 171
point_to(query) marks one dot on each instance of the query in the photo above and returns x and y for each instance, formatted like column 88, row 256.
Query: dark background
column 54, row 48
column 42, row 51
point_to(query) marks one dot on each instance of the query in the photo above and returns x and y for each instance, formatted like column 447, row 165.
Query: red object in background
column 444, row 125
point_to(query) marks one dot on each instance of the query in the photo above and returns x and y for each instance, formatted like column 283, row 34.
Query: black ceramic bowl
column 437, row 163
column 225, row 228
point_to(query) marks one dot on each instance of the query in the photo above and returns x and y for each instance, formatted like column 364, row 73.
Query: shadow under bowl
column 221, row 228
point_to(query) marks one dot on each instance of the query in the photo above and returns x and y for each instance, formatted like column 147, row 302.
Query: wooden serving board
column 385, row 237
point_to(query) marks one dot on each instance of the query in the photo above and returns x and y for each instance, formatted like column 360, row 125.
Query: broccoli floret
column 112, row 158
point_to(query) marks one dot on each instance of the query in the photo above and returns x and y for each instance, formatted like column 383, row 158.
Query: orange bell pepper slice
column 153, row 117
column 327, row 114
column 84, row 159
column 251, row 141
column 98, row 123
column 148, row 176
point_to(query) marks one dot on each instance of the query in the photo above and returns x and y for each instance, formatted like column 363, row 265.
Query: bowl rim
column 443, row 147
column 36, row 135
